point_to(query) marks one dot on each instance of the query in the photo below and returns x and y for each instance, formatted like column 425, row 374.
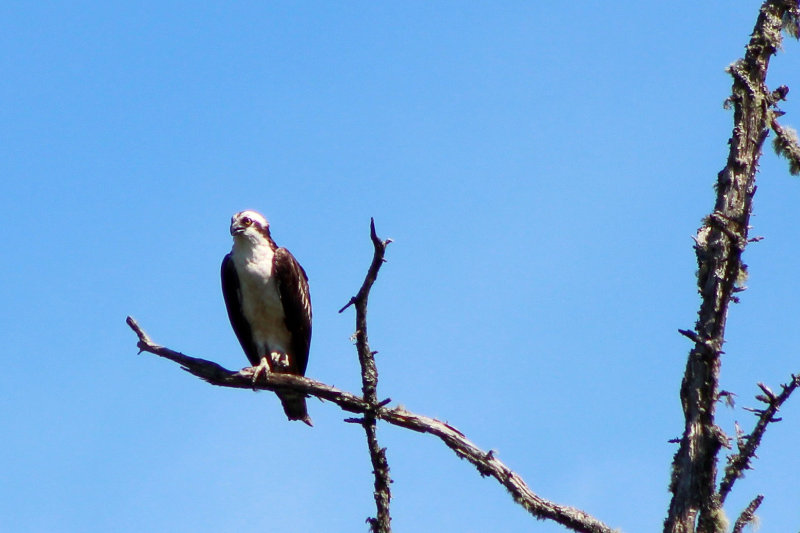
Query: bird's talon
column 262, row 368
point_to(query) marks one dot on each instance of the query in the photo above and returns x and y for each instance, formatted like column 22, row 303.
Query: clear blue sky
column 541, row 170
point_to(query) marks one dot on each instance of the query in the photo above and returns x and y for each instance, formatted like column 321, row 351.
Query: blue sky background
column 541, row 170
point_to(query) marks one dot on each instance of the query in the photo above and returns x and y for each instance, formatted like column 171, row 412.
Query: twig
column 748, row 516
column 695, row 505
column 740, row 461
column 382, row 523
column 487, row 464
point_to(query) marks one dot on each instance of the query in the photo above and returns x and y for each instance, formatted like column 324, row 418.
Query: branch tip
column 767, row 391
column 689, row 334
column 348, row 304
column 748, row 516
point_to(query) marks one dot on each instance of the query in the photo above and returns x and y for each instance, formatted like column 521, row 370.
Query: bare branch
column 747, row 445
column 216, row 374
column 382, row 523
column 486, row 462
column 695, row 505
column 748, row 516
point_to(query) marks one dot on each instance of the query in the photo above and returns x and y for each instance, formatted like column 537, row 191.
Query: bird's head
column 249, row 224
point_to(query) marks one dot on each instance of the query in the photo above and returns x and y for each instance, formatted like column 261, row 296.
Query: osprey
column 266, row 294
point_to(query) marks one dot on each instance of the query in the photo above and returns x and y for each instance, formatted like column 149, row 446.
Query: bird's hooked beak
column 237, row 228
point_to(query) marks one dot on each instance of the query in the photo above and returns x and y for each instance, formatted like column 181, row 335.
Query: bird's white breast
column 261, row 301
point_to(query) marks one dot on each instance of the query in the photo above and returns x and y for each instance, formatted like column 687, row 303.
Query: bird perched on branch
column 269, row 306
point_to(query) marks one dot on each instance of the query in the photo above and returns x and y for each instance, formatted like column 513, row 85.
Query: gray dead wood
column 487, row 463
column 696, row 505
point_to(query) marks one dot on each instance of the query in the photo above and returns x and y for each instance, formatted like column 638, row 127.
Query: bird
column 269, row 305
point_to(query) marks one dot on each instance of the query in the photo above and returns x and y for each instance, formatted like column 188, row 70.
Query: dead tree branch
column 486, row 462
column 748, row 516
column 748, row 445
column 382, row 523
column 720, row 242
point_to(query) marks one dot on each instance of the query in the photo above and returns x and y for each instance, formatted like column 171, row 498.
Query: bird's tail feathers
column 294, row 405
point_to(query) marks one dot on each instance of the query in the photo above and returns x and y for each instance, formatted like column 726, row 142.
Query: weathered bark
column 382, row 523
column 720, row 242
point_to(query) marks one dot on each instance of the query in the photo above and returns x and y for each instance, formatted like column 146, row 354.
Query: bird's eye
column 247, row 221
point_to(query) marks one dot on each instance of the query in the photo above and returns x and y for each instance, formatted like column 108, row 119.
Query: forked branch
column 747, row 445
column 382, row 523
column 696, row 504
column 486, row 463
